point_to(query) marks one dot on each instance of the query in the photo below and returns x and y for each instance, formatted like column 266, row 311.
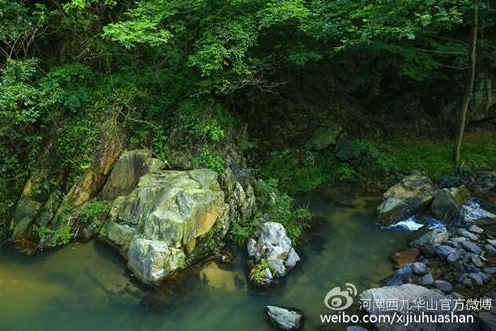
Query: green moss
column 257, row 274
column 93, row 214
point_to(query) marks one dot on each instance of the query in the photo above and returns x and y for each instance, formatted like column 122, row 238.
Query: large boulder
column 161, row 222
column 272, row 248
column 447, row 203
column 324, row 137
column 406, row 198
column 408, row 297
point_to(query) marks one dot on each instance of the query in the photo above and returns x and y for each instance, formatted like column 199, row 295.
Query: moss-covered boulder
column 324, row 137
column 168, row 214
column 447, row 203
column 406, row 198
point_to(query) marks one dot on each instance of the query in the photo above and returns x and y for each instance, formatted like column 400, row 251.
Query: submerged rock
column 283, row 318
column 273, row 247
column 447, row 203
column 406, row 198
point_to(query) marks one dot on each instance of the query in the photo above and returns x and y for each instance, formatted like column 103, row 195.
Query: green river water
column 87, row 287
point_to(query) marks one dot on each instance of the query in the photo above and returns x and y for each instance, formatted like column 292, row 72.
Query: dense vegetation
column 194, row 80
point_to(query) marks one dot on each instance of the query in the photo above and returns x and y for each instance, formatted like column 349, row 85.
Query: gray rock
column 477, row 278
column 292, row 259
column 471, row 247
column 444, row 251
column 456, row 241
column 406, row 198
column 453, row 257
column 476, row 260
column 427, row 280
column 409, row 293
column 468, row 234
column 428, row 241
column 491, row 242
column 165, row 217
column 475, row 229
column 324, row 137
column 419, row 268
column 444, row 286
column 472, row 212
column 274, row 247
column 487, row 320
column 152, row 261
column 283, row 318
column 490, row 270
column 126, row 172
column 491, row 250
column 447, row 202
column 119, row 234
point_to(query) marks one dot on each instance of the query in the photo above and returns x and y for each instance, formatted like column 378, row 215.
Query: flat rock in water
column 283, row 318
column 490, row 270
column 491, row 242
column 406, row 198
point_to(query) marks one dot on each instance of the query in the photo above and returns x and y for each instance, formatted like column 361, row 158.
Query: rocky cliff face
column 160, row 220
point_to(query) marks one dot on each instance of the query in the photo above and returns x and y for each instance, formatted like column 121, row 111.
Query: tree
column 469, row 88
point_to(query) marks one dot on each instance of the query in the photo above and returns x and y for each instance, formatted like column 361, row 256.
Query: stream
column 88, row 287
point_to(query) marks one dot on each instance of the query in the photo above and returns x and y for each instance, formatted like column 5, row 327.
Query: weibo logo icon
column 337, row 299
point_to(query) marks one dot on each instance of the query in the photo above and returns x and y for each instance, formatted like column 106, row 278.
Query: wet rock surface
column 273, row 250
column 284, row 318
column 406, row 198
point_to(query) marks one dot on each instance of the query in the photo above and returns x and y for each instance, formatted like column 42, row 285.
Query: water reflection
column 86, row 286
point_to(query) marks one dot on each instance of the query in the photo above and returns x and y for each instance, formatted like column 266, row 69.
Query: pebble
column 443, row 250
column 468, row 234
column 427, row 280
column 419, row 268
column 491, row 242
column 444, row 286
column 471, row 247
column 475, row 229
column 477, row 261
column 453, row 257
